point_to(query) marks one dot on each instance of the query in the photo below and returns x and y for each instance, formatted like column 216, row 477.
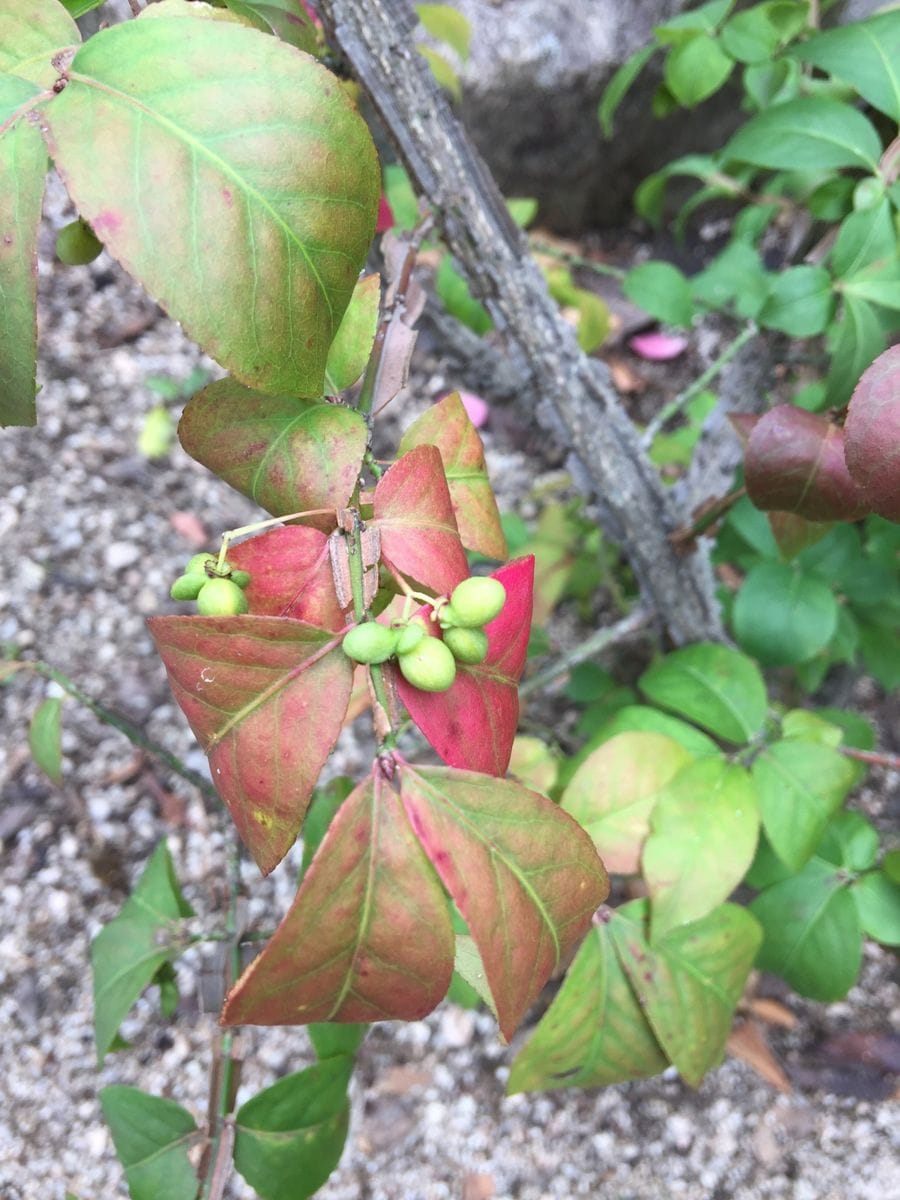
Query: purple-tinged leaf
column 290, row 576
column 523, row 874
column 265, row 697
column 286, row 454
column 447, row 425
column 414, row 513
column 368, row 937
column 872, row 434
column 794, row 462
column 473, row 724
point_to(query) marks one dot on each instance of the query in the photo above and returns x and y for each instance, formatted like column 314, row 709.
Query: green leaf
column 331, row 1040
column 45, row 738
column 812, row 133
column 638, row 718
column 735, row 276
column 401, row 196
column 766, row 868
column 703, row 831
column 350, row 350
column 650, row 197
column 863, row 238
column 689, row 983
column 442, row 71
column 233, row 177
column 289, row 1137
column 151, row 1136
column 447, row 25
column 31, row 33
column 878, row 903
column 23, row 167
column 782, row 616
column 891, row 865
column 613, row 792
column 755, row 35
column 855, row 341
column 715, row 686
column 773, row 82
column 326, row 800
column 77, row 8
column 812, row 934
column 662, row 291
column 864, row 54
column 800, row 301
column 619, row 86
column 704, row 18
column 696, row 68
column 127, row 953
column 595, row 1031
column 522, row 209
column 800, row 786
column 458, row 299
column 469, row 968
column 806, row 726
column 849, row 841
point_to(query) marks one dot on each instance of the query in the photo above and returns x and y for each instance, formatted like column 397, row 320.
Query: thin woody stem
column 875, row 758
column 636, row 622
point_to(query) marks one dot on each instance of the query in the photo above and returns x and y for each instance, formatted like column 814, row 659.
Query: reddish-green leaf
column 524, row 875
column 690, row 981
column 288, row 455
column 872, row 434
column 447, row 426
column 595, row 1031
column 353, row 342
column 368, row 937
column 233, row 176
column 266, row 699
column 473, row 724
column 413, row 510
column 795, row 462
column 703, row 833
column 23, row 167
column 290, row 576
column 613, row 792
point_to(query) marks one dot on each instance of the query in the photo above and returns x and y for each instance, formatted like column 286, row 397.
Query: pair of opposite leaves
column 801, row 462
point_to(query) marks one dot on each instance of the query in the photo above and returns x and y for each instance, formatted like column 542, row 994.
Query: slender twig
column 876, row 758
column 609, row 635
column 575, row 260
column 135, row 735
column 706, row 516
column 674, row 407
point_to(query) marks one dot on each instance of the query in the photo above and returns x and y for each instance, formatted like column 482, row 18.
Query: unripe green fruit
column 370, row 642
column 474, row 602
column 77, row 244
column 410, row 635
column 430, row 667
column 199, row 561
column 188, row 585
column 241, row 578
column 467, row 645
column 221, row 598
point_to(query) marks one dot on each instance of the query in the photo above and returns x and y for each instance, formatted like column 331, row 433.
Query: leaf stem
column 636, row 622
column 674, row 407
column 231, row 534
column 135, row 735
column 575, row 260
column 876, row 758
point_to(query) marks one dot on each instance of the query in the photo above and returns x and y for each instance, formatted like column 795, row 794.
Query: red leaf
column 266, row 699
column 524, row 875
column 368, row 937
column 472, row 725
column 413, row 510
column 386, row 219
column 290, row 576
column 448, row 426
column 794, row 462
column 286, row 454
column 872, row 434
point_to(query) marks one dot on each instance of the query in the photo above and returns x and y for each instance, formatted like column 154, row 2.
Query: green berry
column 188, row 585
column 410, row 635
column 474, row 602
column 241, row 578
column 221, row 598
column 77, row 244
column 370, row 642
column 467, row 645
column 430, row 666
column 199, row 561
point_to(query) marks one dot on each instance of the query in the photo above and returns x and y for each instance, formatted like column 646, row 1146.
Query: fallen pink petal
column 658, row 347
column 479, row 410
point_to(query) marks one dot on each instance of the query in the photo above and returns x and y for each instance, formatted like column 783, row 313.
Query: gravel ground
column 89, row 541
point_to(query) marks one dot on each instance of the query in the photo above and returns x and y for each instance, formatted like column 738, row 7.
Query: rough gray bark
column 579, row 404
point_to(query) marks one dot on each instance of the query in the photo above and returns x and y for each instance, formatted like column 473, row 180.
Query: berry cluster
column 429, row 663
column 218, row 589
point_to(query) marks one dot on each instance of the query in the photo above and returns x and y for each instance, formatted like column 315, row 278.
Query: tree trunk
column 579, row 405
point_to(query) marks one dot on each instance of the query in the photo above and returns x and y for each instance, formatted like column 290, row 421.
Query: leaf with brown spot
column 523, row 874
column 368, row 937
column 447, row 426
column 265, row 697
column 473, row 724
column 286, row 454
column 414, row 513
